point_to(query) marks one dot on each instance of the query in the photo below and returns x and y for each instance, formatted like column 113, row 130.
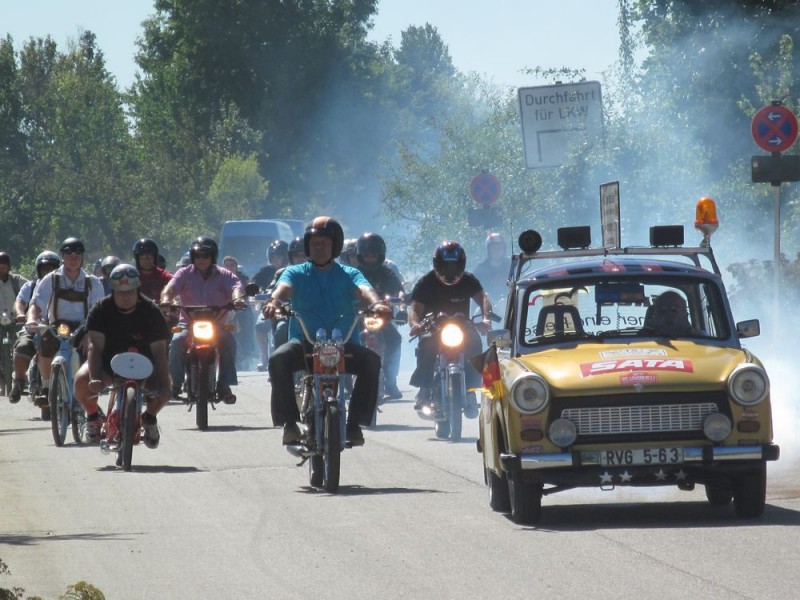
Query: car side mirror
column 748, row 329
column 499, row 337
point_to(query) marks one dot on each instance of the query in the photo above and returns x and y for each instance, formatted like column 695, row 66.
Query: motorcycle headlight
column 530, row 393
column 63, row 330
column 452, row 335
column 373, row 323
column 203, row 331
column 329, row 356
column 748, row 385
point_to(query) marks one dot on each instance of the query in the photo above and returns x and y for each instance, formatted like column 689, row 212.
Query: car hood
column 676, row 365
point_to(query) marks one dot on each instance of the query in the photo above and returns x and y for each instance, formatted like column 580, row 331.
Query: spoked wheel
column 78, row 424
column 203, row 395
column 332, row 450
column 315, row 468
column 526, row 500
column 58, row 399
column 456, row 397
column 128, row 427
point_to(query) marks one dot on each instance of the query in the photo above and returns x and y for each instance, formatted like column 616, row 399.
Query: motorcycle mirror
column 251, row 289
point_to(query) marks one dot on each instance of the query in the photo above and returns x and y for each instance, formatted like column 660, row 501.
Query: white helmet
column 124, row 278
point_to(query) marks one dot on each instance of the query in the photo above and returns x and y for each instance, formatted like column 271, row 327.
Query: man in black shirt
column 123, row 322
column 448, row 289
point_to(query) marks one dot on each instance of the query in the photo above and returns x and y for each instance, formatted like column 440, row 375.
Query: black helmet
column 72, row 245
column 145, row 246
column 5, row 259
column 329, row 227
column 370, row 243
column 108, row 263
column 204, row 244
column 297, row 248
column 278, row 248
column 48, row 258
column 449, row 261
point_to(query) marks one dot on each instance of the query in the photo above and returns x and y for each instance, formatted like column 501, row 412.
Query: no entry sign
column 774, row 128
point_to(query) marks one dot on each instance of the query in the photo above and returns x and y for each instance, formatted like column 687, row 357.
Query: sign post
column 774, row 129
column 485, row 189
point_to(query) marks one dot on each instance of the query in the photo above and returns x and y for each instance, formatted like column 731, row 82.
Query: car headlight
column 329, row 356
column 203, row 331
column 562, row 432
column 748, row 385
column 452, row 335
column 530, row 393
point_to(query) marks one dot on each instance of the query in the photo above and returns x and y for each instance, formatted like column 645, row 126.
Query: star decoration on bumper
column 626, row 477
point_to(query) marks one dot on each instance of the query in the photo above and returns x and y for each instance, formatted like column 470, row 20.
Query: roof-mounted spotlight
column 530, row 241
column 706, row 221
column 574, row 238
column 666, row 235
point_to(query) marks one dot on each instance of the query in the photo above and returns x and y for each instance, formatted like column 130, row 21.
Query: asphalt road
column 226, row 513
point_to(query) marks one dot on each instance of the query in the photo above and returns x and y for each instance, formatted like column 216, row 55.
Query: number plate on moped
column 641, row 456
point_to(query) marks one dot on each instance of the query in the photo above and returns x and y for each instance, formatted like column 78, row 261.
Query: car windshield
column 612, row 307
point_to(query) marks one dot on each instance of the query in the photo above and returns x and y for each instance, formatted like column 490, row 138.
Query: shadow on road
column 360, row 490
column 28, row 539
column 153, row 469
column 227, row 428
column 391, row 427
column 656, row 515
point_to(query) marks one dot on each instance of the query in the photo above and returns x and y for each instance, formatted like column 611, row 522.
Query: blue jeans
column 226, row 350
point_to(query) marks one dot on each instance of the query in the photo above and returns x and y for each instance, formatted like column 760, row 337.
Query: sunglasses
column 71, row 253
column 124, row 274
column 202, row 255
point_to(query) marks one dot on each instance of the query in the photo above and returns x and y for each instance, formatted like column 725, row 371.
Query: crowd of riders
column 122, row 305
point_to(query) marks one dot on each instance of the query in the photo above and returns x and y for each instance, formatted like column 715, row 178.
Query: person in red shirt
column 153, row 278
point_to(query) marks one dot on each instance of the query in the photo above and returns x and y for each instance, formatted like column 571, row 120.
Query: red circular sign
column 485, row 188
column 774, row 128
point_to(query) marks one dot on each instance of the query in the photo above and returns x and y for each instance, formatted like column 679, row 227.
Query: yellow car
column 622, row 367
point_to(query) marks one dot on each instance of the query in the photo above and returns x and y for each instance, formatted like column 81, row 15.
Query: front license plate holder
column 633, row 457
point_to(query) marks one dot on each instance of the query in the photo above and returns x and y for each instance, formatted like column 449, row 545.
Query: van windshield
column 248, row 249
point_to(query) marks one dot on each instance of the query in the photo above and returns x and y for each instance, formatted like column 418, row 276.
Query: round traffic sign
column 485, row 188
column 774, row 128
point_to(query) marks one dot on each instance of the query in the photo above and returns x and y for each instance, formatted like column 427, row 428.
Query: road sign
column 774, row 128
column 558, row 118
column 485, row 188
column 609, row 214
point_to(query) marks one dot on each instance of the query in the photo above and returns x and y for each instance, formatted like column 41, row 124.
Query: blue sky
column 495, row 38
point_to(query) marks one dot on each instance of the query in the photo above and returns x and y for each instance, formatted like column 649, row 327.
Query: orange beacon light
column 706, row 221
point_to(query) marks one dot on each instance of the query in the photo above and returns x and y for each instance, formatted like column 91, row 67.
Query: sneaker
column 471, row 406
column 291, row 433
column 94, row 426
column 42, row 399
column 353, row 435
column 225, row 395
column 423, row 398
column 151, row 436
column 392, row 393
column 16, row 391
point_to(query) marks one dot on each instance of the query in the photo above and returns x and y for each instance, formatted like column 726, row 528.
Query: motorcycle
column 372, row 338
column 323, row 405
column 449, row 390
column 122, row 429
column 202, row 356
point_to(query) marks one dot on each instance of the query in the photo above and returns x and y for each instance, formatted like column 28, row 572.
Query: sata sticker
column 621, row 352
column 637, row 378
column 636, row 364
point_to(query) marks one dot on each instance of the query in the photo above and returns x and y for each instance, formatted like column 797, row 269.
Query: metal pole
column 776, row 277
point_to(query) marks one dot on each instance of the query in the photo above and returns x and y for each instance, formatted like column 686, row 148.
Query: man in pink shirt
column 203, row 283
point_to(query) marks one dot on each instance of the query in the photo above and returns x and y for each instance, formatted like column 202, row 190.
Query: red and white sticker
column 603, row 367
column 637, row 378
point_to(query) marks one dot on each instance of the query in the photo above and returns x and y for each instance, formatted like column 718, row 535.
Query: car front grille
column 639, row 419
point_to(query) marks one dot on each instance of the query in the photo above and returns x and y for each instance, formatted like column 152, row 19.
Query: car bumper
column 699, row 456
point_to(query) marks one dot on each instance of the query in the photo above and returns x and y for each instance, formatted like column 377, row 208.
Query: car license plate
column 641, row 456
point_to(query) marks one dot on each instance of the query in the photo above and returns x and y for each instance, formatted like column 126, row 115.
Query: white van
column 249, row 241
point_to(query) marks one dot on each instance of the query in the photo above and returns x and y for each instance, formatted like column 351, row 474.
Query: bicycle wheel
column 6, row 365
column 128, row 426
column 78, row 423
column 332, row 451
column 58, row 398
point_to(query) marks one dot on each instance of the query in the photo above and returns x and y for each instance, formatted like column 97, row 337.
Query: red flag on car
column 489, row 367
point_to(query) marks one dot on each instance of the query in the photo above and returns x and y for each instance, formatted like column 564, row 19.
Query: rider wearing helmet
column 64, row 296
column 277, row 258
column 371, row 257
column 322, row 292
column 204, row 283
column 348, row 254
column 493, row 270
column 279, row 328
column 10, row 286
column 124, row 320
column 25, row 347
column 106, row 266
column 447, row 288
column 153, row 278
